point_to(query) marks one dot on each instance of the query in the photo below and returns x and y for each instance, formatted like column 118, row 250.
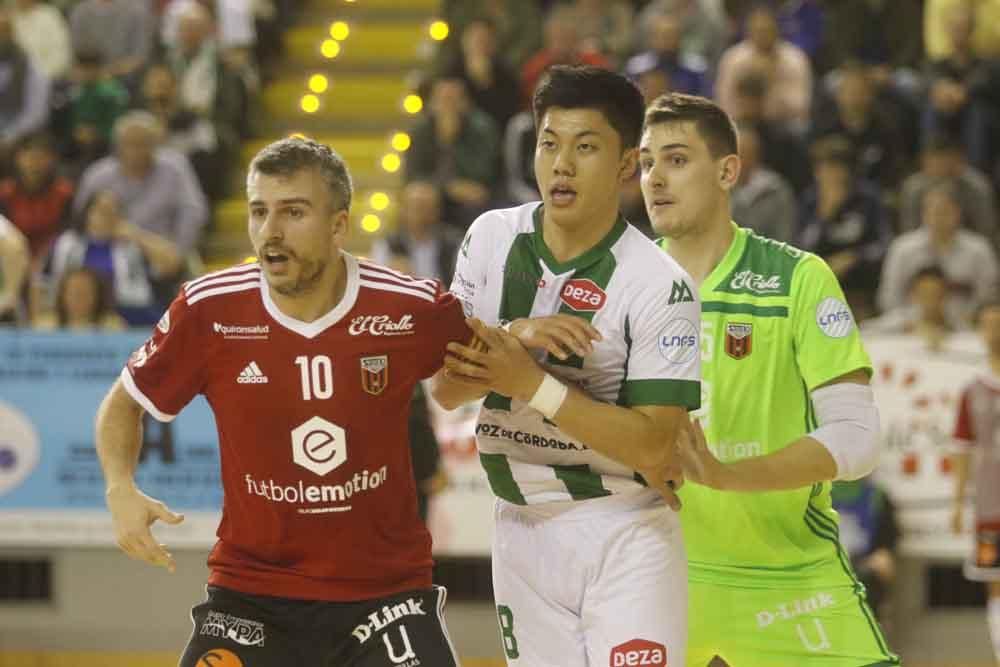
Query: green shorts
column 766, row 627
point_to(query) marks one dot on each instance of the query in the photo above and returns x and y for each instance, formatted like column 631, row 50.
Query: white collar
column 321, row 324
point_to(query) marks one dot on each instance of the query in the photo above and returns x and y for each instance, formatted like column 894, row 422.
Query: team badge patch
column 374, row 374
column 739, row 339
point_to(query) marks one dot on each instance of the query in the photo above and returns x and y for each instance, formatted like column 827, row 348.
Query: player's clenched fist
column 133, row 512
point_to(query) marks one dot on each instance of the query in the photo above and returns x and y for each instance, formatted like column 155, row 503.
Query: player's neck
column 567, row 243
column 318, row 300
column 700, row 251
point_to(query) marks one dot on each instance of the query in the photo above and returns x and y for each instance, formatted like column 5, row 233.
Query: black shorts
column 233, row 629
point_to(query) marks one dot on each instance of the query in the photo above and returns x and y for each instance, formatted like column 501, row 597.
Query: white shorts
column 602, row 583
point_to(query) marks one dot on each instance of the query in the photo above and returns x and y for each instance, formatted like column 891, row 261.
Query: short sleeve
column 663, row 333
column 964, row 432
column 445, row 324
column 827, row 342
column 471, row 265
column 168, row 370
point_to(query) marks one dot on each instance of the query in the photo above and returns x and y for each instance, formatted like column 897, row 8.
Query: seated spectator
column 870, row 533
column 519, row 158
column 456, row 147
column 842, row 220
column 685, row 73
column 36, row 199
column 703, row 26
column 958, row 96
column 491, row 84
column 854, row 115
column 128, row 257
column 784, row 65
column 82, row 303
column 876, row 31
column 943, row 159
column 156, row 186
column 24, row 90
column 424, row 245
column 761, row 200
column 94, row 103
column 929, row 313
column 42, row 32
column 186, row 132
column 605, row 26
column 783, row 151
column 966, row 258
column 120, row 30
column 985, row 38
column 14, row 262
column 518, row 24
column 562, row 47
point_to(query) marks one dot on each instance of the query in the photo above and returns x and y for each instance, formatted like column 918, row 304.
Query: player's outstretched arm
column 844, row 446
column 119, row 438
column 640, row 438
column 560, row 335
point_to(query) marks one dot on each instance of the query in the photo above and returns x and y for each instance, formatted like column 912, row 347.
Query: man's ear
column 340, row 226
column 729, row 171
column 628, row 164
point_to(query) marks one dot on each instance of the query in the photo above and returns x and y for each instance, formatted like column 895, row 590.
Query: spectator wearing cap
column 966, row 257
column 842, row 220
column 35, row 198
column 685, row 72
column 942, row 159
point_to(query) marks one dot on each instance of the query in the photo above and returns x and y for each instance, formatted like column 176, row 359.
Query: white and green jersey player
column 774, row 327
column 646, row 311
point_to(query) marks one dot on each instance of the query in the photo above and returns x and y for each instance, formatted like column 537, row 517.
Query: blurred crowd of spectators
column 120, row 121
column 869, row 129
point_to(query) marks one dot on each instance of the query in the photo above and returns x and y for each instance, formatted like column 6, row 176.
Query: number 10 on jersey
column 317, row 376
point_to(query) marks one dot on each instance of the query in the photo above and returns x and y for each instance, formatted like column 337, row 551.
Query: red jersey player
column 978, row 428
column 308, row 359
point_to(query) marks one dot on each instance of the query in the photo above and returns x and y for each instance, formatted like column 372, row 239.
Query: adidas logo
column 252, row 375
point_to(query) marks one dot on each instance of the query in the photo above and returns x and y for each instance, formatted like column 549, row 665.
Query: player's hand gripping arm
column 641, row 438
column 801, row 463
column 119, row 438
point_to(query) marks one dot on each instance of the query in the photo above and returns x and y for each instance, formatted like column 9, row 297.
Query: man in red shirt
column 308, row 358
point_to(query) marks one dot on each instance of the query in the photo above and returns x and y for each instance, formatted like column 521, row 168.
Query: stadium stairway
column 347, row 67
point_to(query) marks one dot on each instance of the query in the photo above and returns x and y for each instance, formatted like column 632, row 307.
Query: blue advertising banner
column 51, row 486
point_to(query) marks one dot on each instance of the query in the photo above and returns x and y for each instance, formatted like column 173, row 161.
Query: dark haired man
column 308, row 358
column 786, row 407
column 585, row 393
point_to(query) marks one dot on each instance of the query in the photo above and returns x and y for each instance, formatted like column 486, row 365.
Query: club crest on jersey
column 583, row 294
column 374, row 374
column 739, row 339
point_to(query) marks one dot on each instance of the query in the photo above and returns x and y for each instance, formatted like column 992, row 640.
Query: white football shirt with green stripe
column 775, row 326
column 640, row 300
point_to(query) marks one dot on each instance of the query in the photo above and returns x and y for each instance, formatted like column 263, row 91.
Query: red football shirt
column 319, row 497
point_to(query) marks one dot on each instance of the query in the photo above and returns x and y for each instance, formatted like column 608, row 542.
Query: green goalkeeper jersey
column 774, row 326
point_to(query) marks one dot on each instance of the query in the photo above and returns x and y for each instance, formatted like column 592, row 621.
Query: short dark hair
column 713, row 124
column 291, row 155
column 104, row 302
column 835, row 148
column 587, row 87
column 36, row 140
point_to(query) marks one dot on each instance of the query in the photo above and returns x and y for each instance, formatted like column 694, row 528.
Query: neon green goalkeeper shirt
column 775, row 326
